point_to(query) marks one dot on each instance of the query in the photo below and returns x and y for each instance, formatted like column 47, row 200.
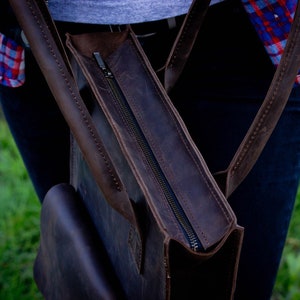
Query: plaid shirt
column 271, row 18
column 12, row 64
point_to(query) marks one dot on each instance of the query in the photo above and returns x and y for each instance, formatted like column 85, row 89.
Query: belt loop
column 172, row 23
column 115, row 28
column 24, row 40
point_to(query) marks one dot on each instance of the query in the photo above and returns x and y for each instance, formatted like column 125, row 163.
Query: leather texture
column 268, row 114
column 146, row 258
column 147, row 246
column 79, row 268
column 184, row 43
column 273, row 104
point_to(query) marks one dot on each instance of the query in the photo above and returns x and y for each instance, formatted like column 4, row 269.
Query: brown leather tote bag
column 166, row 228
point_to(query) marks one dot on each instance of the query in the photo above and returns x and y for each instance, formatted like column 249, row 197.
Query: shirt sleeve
column 12, row 62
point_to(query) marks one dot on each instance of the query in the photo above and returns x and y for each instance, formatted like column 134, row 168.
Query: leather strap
column 266, row 118
column 273, row 104
column 268, row 115
column 184, row 42
column 46, row 45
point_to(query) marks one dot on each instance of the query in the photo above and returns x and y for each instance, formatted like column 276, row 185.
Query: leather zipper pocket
column 137, row 134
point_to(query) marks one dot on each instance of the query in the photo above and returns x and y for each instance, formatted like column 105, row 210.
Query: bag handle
column 268, row 115
column 263, row 124
column 46, row 45
column 271, row 108
column 184, row 42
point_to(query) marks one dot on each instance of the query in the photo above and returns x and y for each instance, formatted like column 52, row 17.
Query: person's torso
column 117, row 12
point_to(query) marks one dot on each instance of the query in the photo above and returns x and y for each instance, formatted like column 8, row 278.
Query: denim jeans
column 38, row 128
column 218, row 96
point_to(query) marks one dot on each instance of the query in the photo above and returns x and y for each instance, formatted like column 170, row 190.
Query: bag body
column 165, row 225
column 186, row 235
column 79, row 268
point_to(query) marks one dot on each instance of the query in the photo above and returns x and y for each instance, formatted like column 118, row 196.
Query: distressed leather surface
column 71, row 262
column 140, row 234
column 152, row 260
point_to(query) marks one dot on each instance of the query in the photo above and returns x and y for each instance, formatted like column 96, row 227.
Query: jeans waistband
column 139, row 28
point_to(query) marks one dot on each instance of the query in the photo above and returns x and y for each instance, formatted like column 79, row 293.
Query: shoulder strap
column 184, row 42
column 47, row 47
column 273, row 104
column 266, row 118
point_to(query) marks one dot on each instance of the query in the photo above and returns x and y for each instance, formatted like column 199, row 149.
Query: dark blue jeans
column 38, row 128
column 218, row 96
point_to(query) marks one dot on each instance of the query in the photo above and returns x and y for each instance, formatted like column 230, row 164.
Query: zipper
column 136, row 131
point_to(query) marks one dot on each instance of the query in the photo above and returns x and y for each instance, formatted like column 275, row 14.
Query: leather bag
column 164, row 226
column 79, row 268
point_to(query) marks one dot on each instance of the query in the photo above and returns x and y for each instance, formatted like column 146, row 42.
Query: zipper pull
column 107, row 73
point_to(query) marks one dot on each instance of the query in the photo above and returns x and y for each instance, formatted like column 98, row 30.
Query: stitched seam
column 73, row 94
column 183, row 35
column 116, row 105
column 225, row 213
column 268, row 108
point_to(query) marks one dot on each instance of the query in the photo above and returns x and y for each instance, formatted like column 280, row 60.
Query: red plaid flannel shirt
column 12, row 63
column 271, row 18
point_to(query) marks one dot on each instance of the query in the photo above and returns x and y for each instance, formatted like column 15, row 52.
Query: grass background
column 19, row 232
column 19, row 224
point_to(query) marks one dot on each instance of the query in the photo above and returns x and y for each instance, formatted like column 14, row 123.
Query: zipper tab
column 107, row 73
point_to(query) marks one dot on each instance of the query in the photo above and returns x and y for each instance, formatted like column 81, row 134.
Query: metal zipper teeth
column 136, row 131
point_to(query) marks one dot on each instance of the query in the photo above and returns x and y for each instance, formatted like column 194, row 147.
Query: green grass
column 19, row 232
column 19, row 224
column 288, row 279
